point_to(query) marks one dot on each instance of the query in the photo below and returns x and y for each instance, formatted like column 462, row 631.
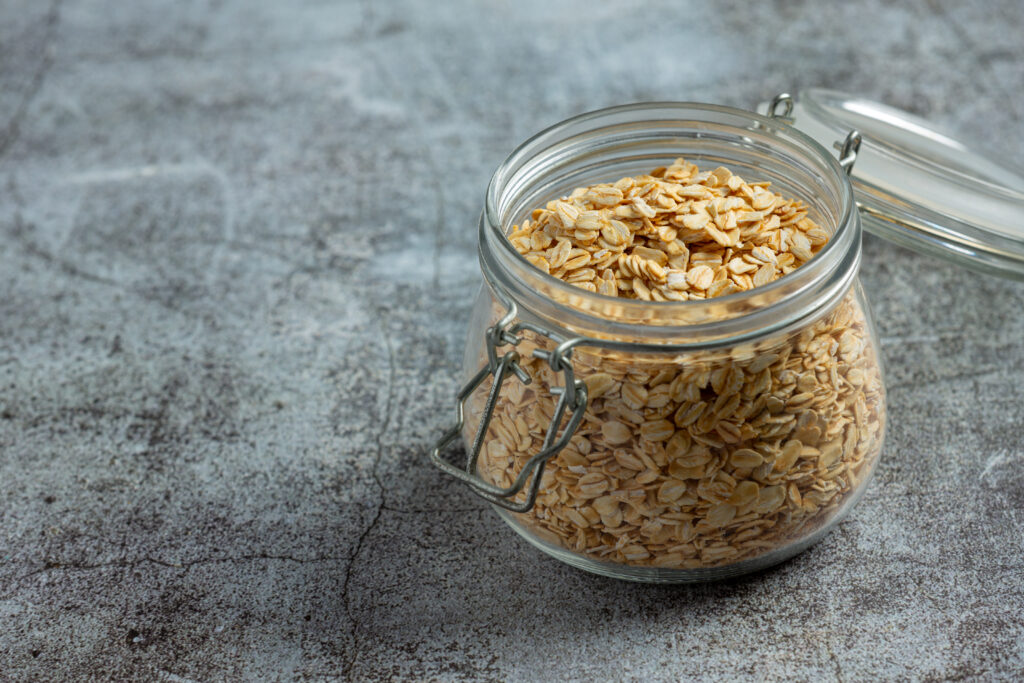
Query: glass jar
column 670, row 441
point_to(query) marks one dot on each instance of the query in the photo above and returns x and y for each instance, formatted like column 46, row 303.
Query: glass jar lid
column 918, row 185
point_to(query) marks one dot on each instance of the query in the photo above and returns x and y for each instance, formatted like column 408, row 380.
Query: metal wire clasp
column 786, row 101
column 572, row 397
column 848, row 148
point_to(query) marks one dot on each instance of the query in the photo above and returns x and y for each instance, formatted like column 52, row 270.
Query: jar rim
column 837, row 261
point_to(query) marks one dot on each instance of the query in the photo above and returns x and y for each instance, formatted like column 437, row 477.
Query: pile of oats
column 699, row 461
column 674, row 235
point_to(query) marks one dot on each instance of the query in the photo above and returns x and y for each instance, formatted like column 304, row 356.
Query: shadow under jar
column 671, row 441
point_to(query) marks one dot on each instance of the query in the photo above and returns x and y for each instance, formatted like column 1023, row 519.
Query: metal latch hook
column 848, row 150
column 784, row 99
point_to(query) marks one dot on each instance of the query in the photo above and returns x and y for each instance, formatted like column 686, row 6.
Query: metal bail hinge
column 572, row 397
column 785, row 100
column 848, row 150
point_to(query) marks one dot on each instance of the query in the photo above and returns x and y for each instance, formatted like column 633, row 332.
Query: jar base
column 683, row 576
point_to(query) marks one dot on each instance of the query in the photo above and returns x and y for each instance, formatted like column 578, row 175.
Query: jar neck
column 604, row 145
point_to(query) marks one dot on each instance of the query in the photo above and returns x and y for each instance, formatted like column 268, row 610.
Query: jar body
column 691, row 466
column 718, row 436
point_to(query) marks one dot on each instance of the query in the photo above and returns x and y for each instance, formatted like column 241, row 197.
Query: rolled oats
column 699, row 460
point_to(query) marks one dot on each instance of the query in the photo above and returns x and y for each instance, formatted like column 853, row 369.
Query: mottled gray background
column 237, row 255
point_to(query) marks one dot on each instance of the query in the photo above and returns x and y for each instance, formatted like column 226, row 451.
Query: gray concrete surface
column 237, row 255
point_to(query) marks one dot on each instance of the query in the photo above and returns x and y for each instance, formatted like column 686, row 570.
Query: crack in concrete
column 433, row 511
column 36, row 84
column 71, row 270
column 62, row 265
column 385, row 425
column 57, row 567
column 835, row 662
